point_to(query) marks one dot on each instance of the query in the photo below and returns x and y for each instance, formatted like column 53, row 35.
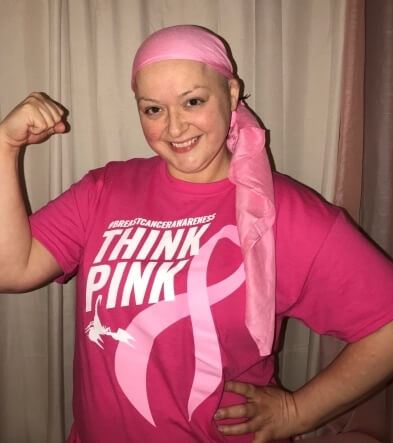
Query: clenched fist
column 32, row 121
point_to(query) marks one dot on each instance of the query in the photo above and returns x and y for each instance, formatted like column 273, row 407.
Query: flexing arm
column 273, row 413
column 24, row 262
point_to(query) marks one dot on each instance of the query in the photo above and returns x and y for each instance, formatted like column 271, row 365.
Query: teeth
column 184, row 144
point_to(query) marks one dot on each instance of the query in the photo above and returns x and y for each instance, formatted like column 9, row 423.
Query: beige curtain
column 289, row 53
column 298, row 97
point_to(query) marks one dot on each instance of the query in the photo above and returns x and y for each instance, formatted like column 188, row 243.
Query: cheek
column 151, row 131
column 217, row 122
column 214, row 120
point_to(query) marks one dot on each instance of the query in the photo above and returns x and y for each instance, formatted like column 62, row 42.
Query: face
column 185, row 111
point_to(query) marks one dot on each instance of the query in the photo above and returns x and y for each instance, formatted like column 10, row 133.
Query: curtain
column 350, row 148
column 289, row 54
column 364, row 184
column 377, row 198
column 299, row 64
column 376, row 214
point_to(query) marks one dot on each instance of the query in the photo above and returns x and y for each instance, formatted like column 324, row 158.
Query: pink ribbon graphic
column 131, row 363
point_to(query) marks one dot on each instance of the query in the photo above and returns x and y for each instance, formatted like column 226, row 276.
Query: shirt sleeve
column 348, row 291
column 60, row 226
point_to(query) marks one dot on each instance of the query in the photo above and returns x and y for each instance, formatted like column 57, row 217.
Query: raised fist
column 32, row 121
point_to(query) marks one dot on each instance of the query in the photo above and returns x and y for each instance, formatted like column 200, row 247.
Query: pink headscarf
column 249, row 171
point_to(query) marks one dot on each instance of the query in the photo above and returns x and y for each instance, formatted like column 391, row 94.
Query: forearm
column 360, row 368
column 15, row 235
column 24, row 263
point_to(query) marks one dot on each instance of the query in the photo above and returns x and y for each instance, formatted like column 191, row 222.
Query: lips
column 184, row 146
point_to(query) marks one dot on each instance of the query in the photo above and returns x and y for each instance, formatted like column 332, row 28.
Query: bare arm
column 358, row 369
column 24, row 262
column 273, row 413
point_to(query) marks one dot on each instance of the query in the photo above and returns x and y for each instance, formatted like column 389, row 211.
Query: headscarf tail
column 249, row 171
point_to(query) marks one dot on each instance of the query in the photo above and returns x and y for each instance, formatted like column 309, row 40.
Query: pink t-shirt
column 161, row 295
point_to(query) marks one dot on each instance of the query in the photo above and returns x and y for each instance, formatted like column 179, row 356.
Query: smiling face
column 185, row 111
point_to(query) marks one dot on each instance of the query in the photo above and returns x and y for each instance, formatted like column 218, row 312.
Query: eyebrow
column 183, row 94
column 193, row 89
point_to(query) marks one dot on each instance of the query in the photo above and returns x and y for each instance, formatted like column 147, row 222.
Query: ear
column 234, row 91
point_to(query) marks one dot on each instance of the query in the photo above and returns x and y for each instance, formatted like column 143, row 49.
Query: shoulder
column 117, row 177
column 132, row 169
column 300, row 209
column 304, row 221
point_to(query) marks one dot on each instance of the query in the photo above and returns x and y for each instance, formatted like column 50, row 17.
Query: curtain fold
column 299, row 64
column 350, row 148
column 377, row 196
column 349, row 155
column 24, row 376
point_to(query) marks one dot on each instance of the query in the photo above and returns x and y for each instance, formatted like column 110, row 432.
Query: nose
column 176, row 123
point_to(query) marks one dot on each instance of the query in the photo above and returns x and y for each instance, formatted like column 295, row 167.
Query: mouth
column 184, row 146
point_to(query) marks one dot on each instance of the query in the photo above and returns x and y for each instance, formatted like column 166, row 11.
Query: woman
column 175, row 338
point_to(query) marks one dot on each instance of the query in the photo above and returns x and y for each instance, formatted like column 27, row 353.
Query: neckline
column 187, row 187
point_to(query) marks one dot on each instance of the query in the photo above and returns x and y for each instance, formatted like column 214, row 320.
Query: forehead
column 175, row 75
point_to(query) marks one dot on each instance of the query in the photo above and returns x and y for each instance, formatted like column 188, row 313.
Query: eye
column 152, row 110
column 194, row 102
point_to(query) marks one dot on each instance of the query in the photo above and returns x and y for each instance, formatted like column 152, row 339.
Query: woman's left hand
column 270, row 412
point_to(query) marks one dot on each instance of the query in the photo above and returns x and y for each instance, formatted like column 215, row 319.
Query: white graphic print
column 163, row 254
column 136, row 264
column 95, row 330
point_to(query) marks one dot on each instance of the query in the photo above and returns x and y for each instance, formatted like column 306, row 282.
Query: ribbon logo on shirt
column 132, row 356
